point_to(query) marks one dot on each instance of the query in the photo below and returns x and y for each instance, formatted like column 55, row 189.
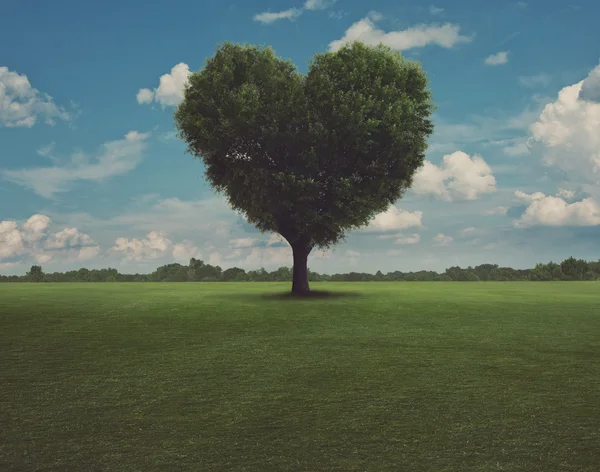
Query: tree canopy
column 308, row 156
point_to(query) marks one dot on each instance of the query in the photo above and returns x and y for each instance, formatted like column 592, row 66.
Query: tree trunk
column 300, row 275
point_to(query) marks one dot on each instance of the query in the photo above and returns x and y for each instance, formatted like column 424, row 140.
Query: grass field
column 227, row 377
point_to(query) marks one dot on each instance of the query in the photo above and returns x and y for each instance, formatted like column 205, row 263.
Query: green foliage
column 35, row 274
column 198, row 271
column 233, row 273
column 308, row 157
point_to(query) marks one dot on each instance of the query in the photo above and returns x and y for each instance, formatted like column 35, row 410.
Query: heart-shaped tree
column 308, row 156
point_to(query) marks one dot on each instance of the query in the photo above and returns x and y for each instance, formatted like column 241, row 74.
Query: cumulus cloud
column 31, row 241
column 441, row 239
column 69, row 237
column 467, row 231
column 394, row 219
column 590, row 88
column 21, row 105
column 87, row 253
column 566, row 132
column 11, row 241
column 184, row 251
column 459, row 178
column 170, row 88
column 446, row 35
column 35, row 227
column 566, row 194
column 153, row 246
column 144, row 96
column 497, row 59
column 117, row 158
column 554, row 211
column 435, row 10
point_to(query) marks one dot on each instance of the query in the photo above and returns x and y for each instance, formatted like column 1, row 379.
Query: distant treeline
column 198, row 271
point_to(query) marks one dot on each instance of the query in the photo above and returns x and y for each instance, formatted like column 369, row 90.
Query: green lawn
column 226, row 377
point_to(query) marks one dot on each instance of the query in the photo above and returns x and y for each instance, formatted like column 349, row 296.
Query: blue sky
column 91, row 173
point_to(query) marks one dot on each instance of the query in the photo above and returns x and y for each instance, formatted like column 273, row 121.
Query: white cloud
column 565, row 194
column 170, row 88
column 534, row 81
column 242, row 243
column 70, row 243
column 69, row 237
column 293, row 13
column 22, row 105
column 441, row 239
column 144, row 96
column 35, row 227
column 529, row 197
column 566, row 133
column 32, row 242
column 459, row 178
column 42, row 257
column 117, row 158
column 394, row 219
column 364, row 30
column 435, row 10
column 407, row 239
column 590, row 88
column 318, row 4
column 270, row 17
column 499, row 210
column 554, row 211
column 184, row 251
column 215, row 259
column 467, row 231
column 352, row 254
column 153, row 246
column 497, row 59
column 87, row 253
column 11, row 241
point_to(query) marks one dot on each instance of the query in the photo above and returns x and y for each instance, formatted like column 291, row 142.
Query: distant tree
column 283, row 274
column 574, row 269
column 170, row 273
column 557, row 273
column 35, row 274
column 232, row 274
column 308, row 157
